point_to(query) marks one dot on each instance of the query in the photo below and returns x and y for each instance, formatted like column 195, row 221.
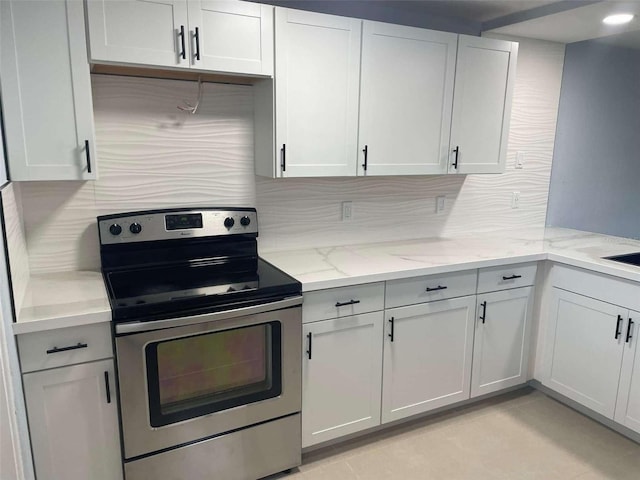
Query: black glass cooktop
column 157, row 292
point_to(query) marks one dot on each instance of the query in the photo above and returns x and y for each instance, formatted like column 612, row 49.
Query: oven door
column 190, row 378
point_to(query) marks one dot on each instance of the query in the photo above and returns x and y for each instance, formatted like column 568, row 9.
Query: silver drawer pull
column 66, row 349
column 512, row 277
column 350, row 302
column 435, row 289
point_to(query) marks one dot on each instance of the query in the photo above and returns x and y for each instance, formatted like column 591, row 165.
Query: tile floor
column 521, row 435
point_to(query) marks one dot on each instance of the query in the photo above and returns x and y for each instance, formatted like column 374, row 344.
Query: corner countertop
column 67, row 299
column 331, row 267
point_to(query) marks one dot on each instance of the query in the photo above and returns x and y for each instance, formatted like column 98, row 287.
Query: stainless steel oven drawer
column 267, row 448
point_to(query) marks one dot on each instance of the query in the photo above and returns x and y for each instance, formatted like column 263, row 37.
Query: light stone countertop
column 330, row 267
column 67, row 299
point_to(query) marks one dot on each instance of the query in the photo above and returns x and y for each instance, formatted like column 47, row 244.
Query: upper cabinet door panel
column 146, row 32
column 485, row 76
column 46, row 87
column 406, row 99
column 317, row 79
column 231, row 36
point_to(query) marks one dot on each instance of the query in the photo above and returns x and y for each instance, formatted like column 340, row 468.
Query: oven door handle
column 137, row 327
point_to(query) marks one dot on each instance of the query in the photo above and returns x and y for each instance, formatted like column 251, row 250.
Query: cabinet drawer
column 504, row 277
column 65, row 346
column 432, row 287
column 340, row 302
column 616, row 291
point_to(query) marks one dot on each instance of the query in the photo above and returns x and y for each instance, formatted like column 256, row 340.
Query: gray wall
column 595, row 180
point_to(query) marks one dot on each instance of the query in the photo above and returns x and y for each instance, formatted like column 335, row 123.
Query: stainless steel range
column 207, row 338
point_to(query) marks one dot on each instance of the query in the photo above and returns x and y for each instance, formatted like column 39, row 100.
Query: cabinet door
column 427, row 356
column 485, row 76
column 583, row 356
column 231, row 36
column 73, row 422
column 46, row 87
column 406, row 99
column 145, row 32
column 628, row 406
column 501, row 343
column 317, row 79
column 341, row 377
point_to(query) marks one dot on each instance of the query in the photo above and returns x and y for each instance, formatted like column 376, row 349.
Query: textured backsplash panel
column 16, row 244
column 151, row 155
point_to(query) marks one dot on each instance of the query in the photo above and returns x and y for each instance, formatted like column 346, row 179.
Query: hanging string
column 192, row 109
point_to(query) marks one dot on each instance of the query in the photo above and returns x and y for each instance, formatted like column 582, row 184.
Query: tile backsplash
column 152, row 155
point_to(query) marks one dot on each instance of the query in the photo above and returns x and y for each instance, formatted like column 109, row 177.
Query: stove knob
column 244, row 221
column 115, row 229
column 229, row 222
column 135, row 228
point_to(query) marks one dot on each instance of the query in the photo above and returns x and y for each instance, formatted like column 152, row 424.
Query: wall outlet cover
column 347, row 211
column 515, row 200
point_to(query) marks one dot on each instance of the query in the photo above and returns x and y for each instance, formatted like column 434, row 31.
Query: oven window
column 193, row 376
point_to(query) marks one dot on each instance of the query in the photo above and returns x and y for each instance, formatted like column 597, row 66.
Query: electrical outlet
column 520, row 159
column 440, row 200
column 347, row 211
column 515, row 200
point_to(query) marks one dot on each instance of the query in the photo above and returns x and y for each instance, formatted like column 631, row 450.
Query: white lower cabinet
column 585, row 348
column 628, row 404
column 73, row 422
column 501, row 344
column 341, row 376
column 427, row 356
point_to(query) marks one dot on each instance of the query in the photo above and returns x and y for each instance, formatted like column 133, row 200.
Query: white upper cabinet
column 316, row 94
column 146, row 32
column 46, row 91
column 358, row 98
column 231, row 36
column 485, row 76
column 405, row 100
column 215, row 35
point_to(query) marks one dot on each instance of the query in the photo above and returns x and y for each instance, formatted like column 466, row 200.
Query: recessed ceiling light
column 618, row 19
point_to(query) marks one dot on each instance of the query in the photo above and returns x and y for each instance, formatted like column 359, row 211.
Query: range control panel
column 171, row 224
